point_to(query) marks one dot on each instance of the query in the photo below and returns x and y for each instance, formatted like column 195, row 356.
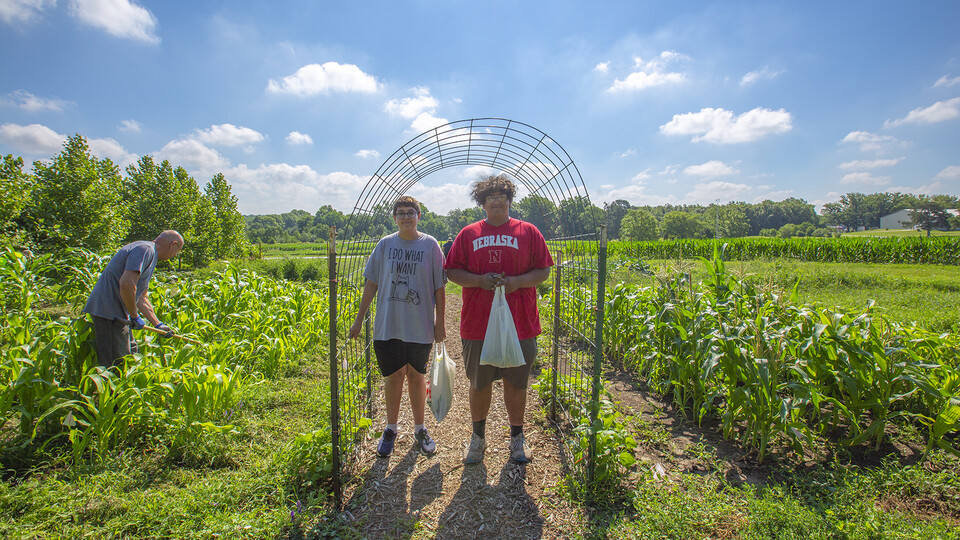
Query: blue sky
column 298, row 102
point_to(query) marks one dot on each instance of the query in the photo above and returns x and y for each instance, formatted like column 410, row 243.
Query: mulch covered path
column 410, row 495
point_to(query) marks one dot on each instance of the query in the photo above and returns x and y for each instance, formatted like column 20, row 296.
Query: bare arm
column 146, row 308
column 128, row 292
column 530, row 279
column 440, row 321
column 488, row 281
column 369, row 291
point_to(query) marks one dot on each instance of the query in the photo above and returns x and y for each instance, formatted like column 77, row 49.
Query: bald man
column 119, row 300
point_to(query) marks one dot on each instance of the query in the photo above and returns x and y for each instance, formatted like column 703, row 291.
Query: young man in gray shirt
column 120, row 296
column 405, row 272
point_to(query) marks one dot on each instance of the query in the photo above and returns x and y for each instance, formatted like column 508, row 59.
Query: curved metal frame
column 543, row 167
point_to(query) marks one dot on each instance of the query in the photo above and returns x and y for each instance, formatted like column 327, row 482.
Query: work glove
column 137, row 322
column 169, row 331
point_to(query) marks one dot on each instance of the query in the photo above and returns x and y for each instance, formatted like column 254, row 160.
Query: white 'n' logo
column 495, row 256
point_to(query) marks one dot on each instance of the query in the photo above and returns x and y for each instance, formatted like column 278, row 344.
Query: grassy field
column 926, row 294
column 899, row 233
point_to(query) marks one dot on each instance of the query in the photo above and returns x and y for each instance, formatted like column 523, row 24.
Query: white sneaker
column 520, row 450
column 474, row 451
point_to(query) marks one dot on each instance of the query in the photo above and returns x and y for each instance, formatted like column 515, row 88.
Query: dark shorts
column 394, row 354
column 114, row 341
column 482, row 375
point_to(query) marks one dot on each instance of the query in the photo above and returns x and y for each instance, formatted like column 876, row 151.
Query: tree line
column 77, row 200
column 788, row 218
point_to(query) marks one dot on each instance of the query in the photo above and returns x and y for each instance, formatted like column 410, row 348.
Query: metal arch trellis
column 576, row 240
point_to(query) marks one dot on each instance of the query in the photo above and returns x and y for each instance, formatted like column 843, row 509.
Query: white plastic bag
column 442, row 373
column 501, row 345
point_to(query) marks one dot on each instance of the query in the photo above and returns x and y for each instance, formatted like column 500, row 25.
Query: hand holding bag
column 442, row 373
column 501, row 345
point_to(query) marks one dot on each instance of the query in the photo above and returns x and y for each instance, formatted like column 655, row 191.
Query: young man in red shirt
column 498, row 251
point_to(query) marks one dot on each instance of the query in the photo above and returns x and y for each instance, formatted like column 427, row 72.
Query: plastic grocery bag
column 442, row 373
column 501, row 345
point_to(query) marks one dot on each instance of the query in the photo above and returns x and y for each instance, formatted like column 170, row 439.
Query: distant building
column 901, row 219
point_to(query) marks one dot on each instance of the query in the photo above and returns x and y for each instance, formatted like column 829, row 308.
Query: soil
column 408, row 492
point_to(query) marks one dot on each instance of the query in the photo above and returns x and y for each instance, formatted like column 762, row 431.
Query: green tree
column 638, row 224
column 579, row 216
column 679, row 224
column 77, row 200
column 615, row 213
column 540, row 211
column 727, row 221
column 227, row 224
column 930, row 214
column 15, row 187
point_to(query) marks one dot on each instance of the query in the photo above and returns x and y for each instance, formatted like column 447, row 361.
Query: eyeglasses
column 408, row 214
column 497, row 198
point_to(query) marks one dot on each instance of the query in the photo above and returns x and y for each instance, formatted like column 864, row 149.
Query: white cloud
column 427, row 121
column 412, row 107
column 710, row 169
column 114, row 151
column 31, row 103
column 711, row 191
column 719, row 126
column 367, row 154
column 640, row 177
column 443, row 198
column 861, row 164
column 602, row 67
column 34, row 139
column 932, row 188
column 754, row 76
column 864, row 178
column 947, row 81
column 950, row 173
column 635, row 194
column 228, row 135
column 871, row 142
column 279, row 187
column 629, row 153
column 129, row 126
column 193, row 154
column 23, row 11
column 649, row 74
column 938, row 112
column 120, row 18
column 314, row 79
column 296, row 138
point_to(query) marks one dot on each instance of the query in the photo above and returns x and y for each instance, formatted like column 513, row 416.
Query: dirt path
column 412, row 496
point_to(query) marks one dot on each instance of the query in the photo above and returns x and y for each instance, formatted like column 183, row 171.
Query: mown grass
column 928, row 295
column 148, row 493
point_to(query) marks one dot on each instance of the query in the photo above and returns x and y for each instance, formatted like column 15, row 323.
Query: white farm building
column 901, row 219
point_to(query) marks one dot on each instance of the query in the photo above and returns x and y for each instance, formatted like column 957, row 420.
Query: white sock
column 417, row 428
column 394, row 427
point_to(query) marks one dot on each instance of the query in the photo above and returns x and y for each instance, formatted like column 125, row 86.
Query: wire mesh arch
column 561, row 209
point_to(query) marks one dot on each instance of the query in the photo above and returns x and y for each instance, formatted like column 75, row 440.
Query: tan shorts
column 482, row 375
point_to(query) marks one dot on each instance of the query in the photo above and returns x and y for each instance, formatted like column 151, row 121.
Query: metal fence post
column 367, row 348
column 598, row 349
column 334, row 374
column 556, row 333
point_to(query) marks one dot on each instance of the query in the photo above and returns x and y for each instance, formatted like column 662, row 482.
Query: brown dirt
column 412, row 496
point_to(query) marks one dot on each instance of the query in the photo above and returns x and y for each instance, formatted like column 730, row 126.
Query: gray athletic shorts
column 482, row 375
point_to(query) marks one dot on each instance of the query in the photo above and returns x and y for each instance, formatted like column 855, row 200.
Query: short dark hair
column 491, row 185
column 406, row 200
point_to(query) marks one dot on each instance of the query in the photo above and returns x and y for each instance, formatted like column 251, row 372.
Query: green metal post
column 367, row 347
column 556, row 333
column 598, row 349
column 334, row 371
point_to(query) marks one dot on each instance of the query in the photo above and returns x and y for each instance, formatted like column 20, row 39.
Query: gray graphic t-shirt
column 105, row 301
column 407, row 272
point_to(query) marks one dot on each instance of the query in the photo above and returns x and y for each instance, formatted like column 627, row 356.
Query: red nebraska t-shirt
column 514, row 248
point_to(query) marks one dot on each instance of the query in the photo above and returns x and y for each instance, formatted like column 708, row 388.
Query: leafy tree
column 930, row 214
column 15, row 186
column 615, row 213
column 540, row 211
column 679, row 224
column 578, row 216
column 458, row 219
column 433, row 224
column 227, row 224
column 77, row 200
column 728, row 221
column 638, row 224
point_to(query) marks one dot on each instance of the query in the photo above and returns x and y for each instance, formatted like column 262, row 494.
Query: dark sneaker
column 474, row 451
column 426, row 444
column 385, row 446
column 520, row 450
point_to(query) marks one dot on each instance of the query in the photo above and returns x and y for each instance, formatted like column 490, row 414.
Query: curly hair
column 406, row 200
column 491, row 185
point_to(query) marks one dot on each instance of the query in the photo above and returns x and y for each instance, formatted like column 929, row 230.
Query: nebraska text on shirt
column 496, row 240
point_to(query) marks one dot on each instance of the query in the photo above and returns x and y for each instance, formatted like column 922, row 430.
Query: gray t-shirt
column 105, row 301
column 407, row 273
